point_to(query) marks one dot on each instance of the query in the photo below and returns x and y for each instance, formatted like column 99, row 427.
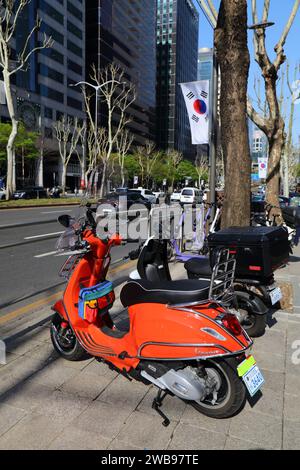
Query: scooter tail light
column 232, row 324
column 255, row 268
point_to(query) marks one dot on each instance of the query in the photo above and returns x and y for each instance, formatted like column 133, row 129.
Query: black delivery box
column 259, row 250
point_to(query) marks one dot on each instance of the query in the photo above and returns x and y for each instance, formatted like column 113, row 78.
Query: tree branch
column 280, row 45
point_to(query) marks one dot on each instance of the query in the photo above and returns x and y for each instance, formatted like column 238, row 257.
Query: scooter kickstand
column 156, row 405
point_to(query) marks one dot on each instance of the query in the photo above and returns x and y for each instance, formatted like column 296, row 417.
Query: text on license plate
column 251, row 375
column 275, row 295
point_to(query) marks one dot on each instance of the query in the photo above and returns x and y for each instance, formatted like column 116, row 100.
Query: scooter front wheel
column 229, row 393
column 65, row 342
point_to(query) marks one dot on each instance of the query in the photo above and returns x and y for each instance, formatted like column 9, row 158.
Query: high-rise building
column 42, row 92
column 177, row 51
column 123, row 32
column 205, row 63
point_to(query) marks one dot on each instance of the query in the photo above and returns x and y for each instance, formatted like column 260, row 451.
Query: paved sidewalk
column 49, row 403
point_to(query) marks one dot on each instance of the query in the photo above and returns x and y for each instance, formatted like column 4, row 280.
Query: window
column 74, row 67
column 48, row 112
column 72, row 9
column 51, row 94
column 75, row 49
column 74, row 30
column 53, row 54
column 52, row 12
column 52, row 32
column 50, row 73
column 74, row 103
column 187, row 192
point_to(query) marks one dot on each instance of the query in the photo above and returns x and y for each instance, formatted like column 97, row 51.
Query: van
column 190, row 196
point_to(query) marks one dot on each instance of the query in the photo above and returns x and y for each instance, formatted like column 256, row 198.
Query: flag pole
column 214, row 131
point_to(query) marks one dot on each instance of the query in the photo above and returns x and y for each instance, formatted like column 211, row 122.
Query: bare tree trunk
column 10, row 183
column 122, row 176
column 276, row 144
column 234, row 60
column 103, row 179
column 64, row 178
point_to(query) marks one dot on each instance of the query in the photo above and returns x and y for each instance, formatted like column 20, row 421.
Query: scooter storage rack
column 221, row 284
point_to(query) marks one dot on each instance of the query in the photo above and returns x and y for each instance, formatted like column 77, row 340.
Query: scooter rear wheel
column 231, row 395
column 65, row 342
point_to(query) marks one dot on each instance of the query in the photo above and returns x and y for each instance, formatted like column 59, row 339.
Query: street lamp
column 96, row 88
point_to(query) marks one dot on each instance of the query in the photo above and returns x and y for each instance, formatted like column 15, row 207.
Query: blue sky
column 279, row 14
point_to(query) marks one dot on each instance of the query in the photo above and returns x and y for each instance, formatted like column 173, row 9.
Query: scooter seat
column 199, row 267
column 164, row 292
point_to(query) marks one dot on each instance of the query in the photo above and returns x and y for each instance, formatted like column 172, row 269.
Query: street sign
column 262, row 168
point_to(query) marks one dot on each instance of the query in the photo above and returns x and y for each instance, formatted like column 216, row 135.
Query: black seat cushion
column 199, row 267
column 164, row 292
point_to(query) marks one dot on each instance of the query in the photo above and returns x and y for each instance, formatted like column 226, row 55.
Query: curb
column 42, row 205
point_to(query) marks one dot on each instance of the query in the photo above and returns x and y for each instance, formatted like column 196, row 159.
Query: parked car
column 175, row 196
column 34, row 192
column 2, row 194
column 147, row 194
column 160, row 196
column 190, row 196
column 115, row 200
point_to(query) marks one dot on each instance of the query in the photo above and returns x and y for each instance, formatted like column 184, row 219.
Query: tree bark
column 234, row 60
column 63, row 178
column 10, row 179
column 103, row 179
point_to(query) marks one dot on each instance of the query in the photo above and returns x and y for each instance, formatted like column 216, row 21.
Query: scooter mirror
column 64, row 220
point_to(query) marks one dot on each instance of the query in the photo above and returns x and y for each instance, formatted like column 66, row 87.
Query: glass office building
column 177, row 55
column 43, row 90
column 205, row 64
column 124, row 32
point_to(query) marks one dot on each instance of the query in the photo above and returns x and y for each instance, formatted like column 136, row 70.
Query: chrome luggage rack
column 221, row 284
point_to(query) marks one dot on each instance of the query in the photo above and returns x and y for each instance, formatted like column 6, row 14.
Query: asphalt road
column 32, row 266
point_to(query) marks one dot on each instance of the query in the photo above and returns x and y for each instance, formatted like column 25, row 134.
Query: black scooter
column 153, row 265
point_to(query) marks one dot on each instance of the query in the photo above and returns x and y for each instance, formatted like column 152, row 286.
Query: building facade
column 205, row 64
column 177, row 49
column 205, row 72
column 258, row 147
column 42, row 92
column 123, row 32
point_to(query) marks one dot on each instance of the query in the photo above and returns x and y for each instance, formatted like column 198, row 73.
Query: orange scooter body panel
column 156, row 330
column 162, row 332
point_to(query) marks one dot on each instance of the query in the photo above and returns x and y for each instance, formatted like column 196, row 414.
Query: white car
column 2, row 194
column 147, row 194
column 175, row 197
column 190, row 196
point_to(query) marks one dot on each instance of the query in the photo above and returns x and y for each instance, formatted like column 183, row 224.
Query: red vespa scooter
column 180, row 338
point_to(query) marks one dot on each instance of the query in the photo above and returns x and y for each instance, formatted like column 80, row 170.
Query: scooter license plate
column 252, row 377
column 275, row 295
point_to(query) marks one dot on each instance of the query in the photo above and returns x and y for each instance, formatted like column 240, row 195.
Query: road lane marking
column 56, row 212
column 43, row 235
column 44, row 302
column 44, row 255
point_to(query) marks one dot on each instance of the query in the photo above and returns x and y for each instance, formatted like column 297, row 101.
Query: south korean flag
column 196, row 96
